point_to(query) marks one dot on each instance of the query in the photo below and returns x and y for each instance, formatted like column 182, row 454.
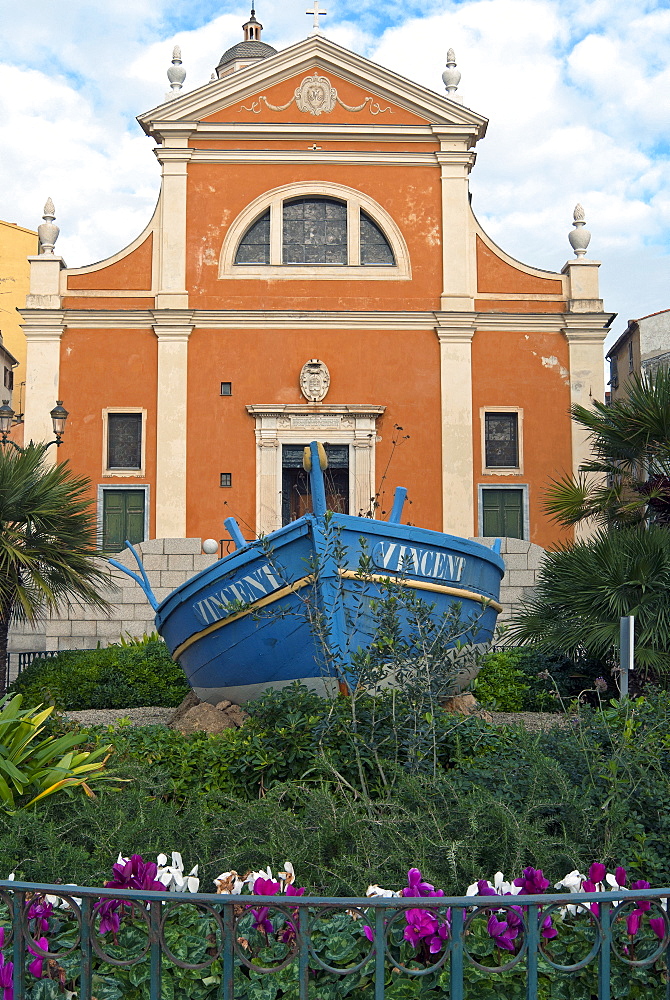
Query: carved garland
column 316, row 96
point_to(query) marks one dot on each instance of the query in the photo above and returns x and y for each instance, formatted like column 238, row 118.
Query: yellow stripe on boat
column 346, row 574
column 264, row 601
column 436, row 588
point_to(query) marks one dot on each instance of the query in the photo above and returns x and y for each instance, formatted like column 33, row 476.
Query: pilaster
column 455, row 335
column 43, row 329
column 458, row 277
column 173, row 331
column 585, row 334
column 172, row 292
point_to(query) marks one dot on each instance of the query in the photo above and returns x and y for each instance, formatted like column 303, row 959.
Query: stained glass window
column 315, row 231
column 375, row 248
column 501, row 435
column 255, row 245
column 124, row 440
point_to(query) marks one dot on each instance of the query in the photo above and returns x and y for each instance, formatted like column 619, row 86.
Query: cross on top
column 317, row 13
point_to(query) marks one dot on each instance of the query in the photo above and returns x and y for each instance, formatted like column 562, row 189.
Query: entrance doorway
column 296, row 497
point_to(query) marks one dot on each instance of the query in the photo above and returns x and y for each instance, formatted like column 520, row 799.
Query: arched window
column 347, row 236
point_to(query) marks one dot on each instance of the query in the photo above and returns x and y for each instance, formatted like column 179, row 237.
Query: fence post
column 626, row 651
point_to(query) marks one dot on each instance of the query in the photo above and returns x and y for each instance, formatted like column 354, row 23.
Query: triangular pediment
column 315, row 80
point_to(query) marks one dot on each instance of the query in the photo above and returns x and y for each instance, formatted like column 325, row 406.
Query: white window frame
column 355, row 200
column 123, row 473
column 504, row 486
column 501, row 470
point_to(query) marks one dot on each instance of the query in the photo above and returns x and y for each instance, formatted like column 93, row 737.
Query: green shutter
column 123, row 518
column 502, row 513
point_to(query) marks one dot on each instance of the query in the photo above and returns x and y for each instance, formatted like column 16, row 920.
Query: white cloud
column 577, row 93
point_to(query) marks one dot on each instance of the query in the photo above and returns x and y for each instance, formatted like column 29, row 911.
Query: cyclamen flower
column 172, row 876
column 633, row 922
column 657, row 925
column 502, row 933
column 621, row 877
column 597, row 872
column 643, row 904
column 129, row 873
column 40, row 910
column 548, row 930
column 420, row 924
column 532, row 882
column 36, row 966
column 417, row 887
column 6, row 971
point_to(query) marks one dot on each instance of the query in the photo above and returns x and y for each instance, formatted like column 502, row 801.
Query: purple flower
column 369, row 933
column 589, row 886
column 262, row 921
column 621, row 877
column 532, row 882
column 420, row 924
column 265, row 887
column 40, row 911
column 633, row 922
column 292, row 891
column 484, row 889
column 548, row 929
column 129, row 873
column 36, row 966
column 643, row 904
column 597, row 872
column 437, row 942
column 6, row 979
column 502, row 933
column 417, row 887
column 657, row 925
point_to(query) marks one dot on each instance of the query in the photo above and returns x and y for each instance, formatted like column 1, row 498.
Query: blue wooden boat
column 257, row 618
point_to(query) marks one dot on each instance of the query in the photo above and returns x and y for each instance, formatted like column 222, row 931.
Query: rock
column 236, row 714
column 484, row 716
column 462, row 704
column 223, row 705
column 203, row 718
column 189, row 702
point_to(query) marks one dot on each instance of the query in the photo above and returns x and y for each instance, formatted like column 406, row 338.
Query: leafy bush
column 129, row 676
column 527, row 680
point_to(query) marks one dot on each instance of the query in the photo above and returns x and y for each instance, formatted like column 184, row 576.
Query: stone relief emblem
column 316, row 96
column 314, row 380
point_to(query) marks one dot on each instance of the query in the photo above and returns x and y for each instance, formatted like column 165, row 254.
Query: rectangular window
column 9, row 379
column 226, row 479
column 630, row 356
column 124, row 441
column 501, row 440
column 123, row 517
column 614, row 373
column 226, row 388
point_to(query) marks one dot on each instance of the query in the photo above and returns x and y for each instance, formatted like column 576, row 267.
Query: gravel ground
column 154, row 716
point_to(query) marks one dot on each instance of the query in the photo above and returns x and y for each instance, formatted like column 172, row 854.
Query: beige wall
column 16, row 245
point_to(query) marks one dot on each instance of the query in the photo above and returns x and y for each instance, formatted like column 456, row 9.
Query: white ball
column 210, row 546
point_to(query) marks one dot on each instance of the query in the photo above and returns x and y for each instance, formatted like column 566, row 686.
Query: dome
column 246, row 50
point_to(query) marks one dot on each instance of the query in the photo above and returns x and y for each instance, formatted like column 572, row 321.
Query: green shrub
column 129, row 676
column 519, row 679
column 500, row 685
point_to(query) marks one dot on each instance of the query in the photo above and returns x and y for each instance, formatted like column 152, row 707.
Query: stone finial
column 451, row 76
column 176, row 74
column 48, row 232
column 579, row 237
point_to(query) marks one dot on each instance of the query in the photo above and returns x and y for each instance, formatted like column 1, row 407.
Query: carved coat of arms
column 314, row 380
column 315, row 95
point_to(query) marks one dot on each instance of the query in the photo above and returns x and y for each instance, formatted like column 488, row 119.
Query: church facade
column 313, row 269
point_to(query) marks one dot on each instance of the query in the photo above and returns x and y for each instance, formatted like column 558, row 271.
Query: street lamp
column 59, row 416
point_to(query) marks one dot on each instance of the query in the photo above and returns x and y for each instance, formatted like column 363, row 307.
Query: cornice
column 264, row 156
column 446, row 323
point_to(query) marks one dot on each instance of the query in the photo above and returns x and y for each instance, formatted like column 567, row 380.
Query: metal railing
column 217, row 944
column 17, row 662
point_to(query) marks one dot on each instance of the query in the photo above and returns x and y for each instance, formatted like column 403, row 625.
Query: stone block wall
column 169, row 562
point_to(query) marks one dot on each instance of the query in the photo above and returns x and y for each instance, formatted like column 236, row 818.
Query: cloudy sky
column 577, row 93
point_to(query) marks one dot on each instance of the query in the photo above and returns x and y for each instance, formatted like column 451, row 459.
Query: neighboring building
column 16, row 246
column 642, row 348
column 313, row 269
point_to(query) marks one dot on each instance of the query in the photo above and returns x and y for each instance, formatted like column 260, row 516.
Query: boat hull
column 296, row 605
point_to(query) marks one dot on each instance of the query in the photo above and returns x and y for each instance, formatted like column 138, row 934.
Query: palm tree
column 47, row 540
column 627, row 481
column 584, row 589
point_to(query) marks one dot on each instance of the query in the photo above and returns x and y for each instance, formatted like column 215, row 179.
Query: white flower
column 229, row 884
column 572, row 881
column 287, row 877
column 252, row 876
column 376, row 890
column 173, row 877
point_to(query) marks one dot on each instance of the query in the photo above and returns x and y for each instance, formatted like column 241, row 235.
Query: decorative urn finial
column 451, row 76
column 48, row 232
column 579, row 236
column 176, row 74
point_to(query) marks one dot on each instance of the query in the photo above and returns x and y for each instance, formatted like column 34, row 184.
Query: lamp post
column 59, row 416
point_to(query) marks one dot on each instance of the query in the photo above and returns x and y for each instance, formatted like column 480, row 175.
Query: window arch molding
column 355, row 200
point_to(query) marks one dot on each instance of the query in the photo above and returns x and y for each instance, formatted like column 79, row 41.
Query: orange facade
column 451, row 366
